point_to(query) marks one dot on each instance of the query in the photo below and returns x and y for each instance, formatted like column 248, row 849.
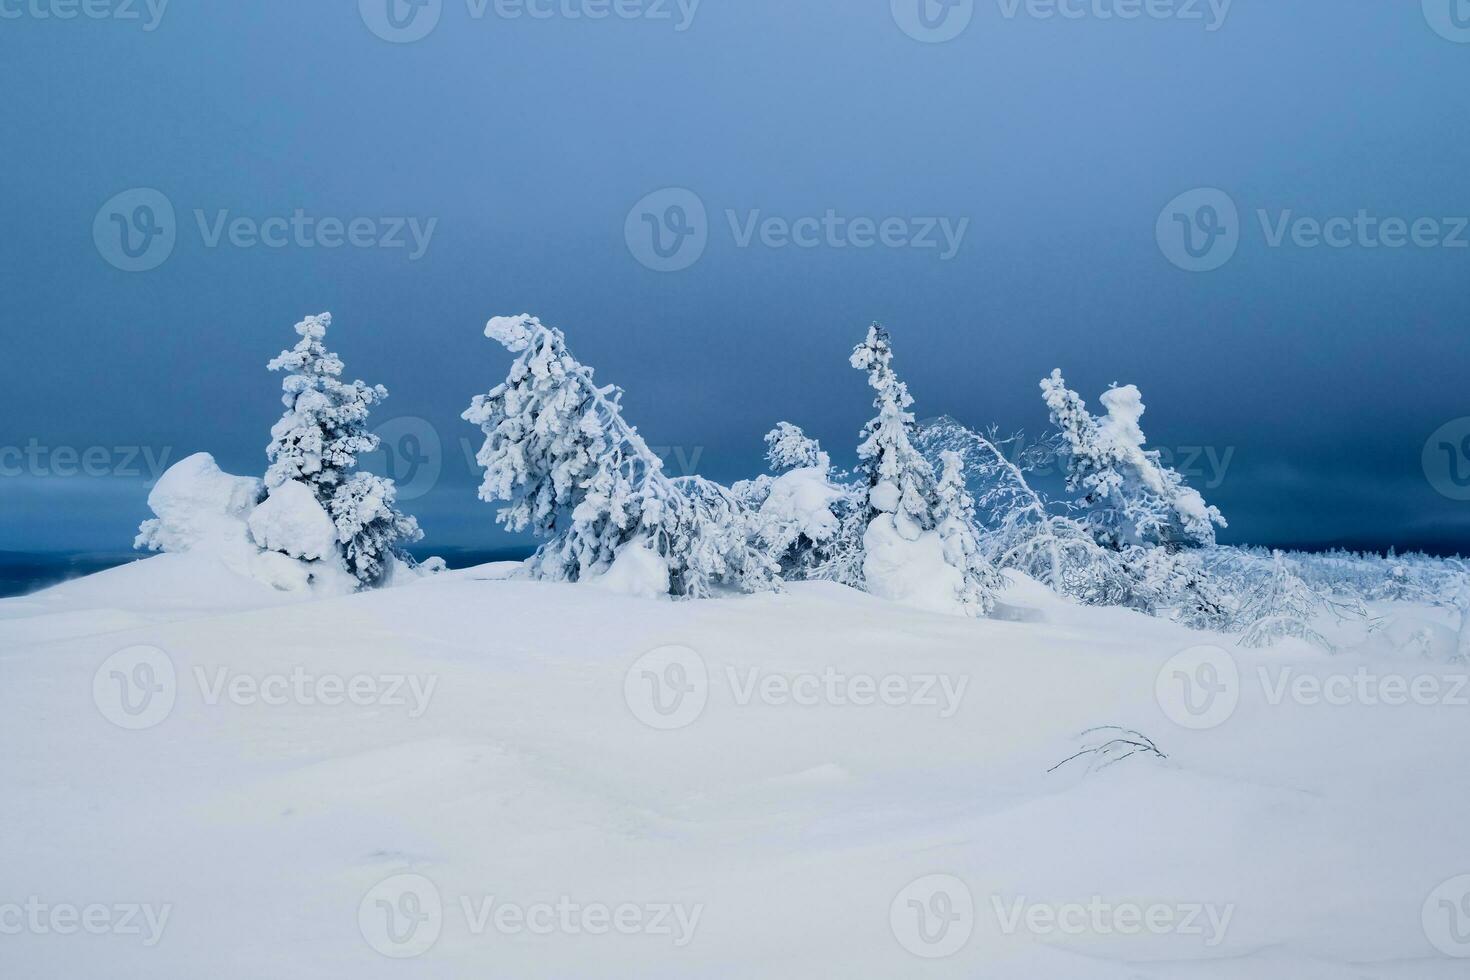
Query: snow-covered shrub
column 797, row 515
column 316, row 443
column 1276, row 603
column 1130, row 496
column 559, row 453
column 1020, row 528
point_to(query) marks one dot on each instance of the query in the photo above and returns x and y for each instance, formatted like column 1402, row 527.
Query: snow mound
column 636, row 571
column 914, row 573
column 292, row 522
column 205, row 512
column 198, row 505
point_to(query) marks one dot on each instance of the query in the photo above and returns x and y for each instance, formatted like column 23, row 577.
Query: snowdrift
column 814, row 783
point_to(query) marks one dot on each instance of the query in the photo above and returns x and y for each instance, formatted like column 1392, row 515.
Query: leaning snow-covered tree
column 316, row 443
column 569, row 467
column 1130, row 497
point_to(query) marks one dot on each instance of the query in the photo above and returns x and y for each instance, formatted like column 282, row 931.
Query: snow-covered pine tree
column 559, row 452
column 316, row 442
column 1130, row 497
column 954, row 515
column 900, row 481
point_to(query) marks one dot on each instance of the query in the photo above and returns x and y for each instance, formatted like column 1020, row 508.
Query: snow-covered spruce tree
column 954, row 515
column 900, row 481
column 559, row 453
column 1130, row 497
column 904, row 557
column 316, row 443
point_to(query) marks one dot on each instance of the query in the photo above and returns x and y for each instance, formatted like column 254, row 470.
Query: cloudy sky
column 1253, row 210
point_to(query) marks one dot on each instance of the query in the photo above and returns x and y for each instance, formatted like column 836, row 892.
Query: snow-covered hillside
column 469, row 776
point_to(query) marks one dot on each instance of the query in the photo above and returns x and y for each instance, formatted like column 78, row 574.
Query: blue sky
column 314, row 159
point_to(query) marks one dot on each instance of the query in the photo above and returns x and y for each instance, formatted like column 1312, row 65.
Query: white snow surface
column 793, row 828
